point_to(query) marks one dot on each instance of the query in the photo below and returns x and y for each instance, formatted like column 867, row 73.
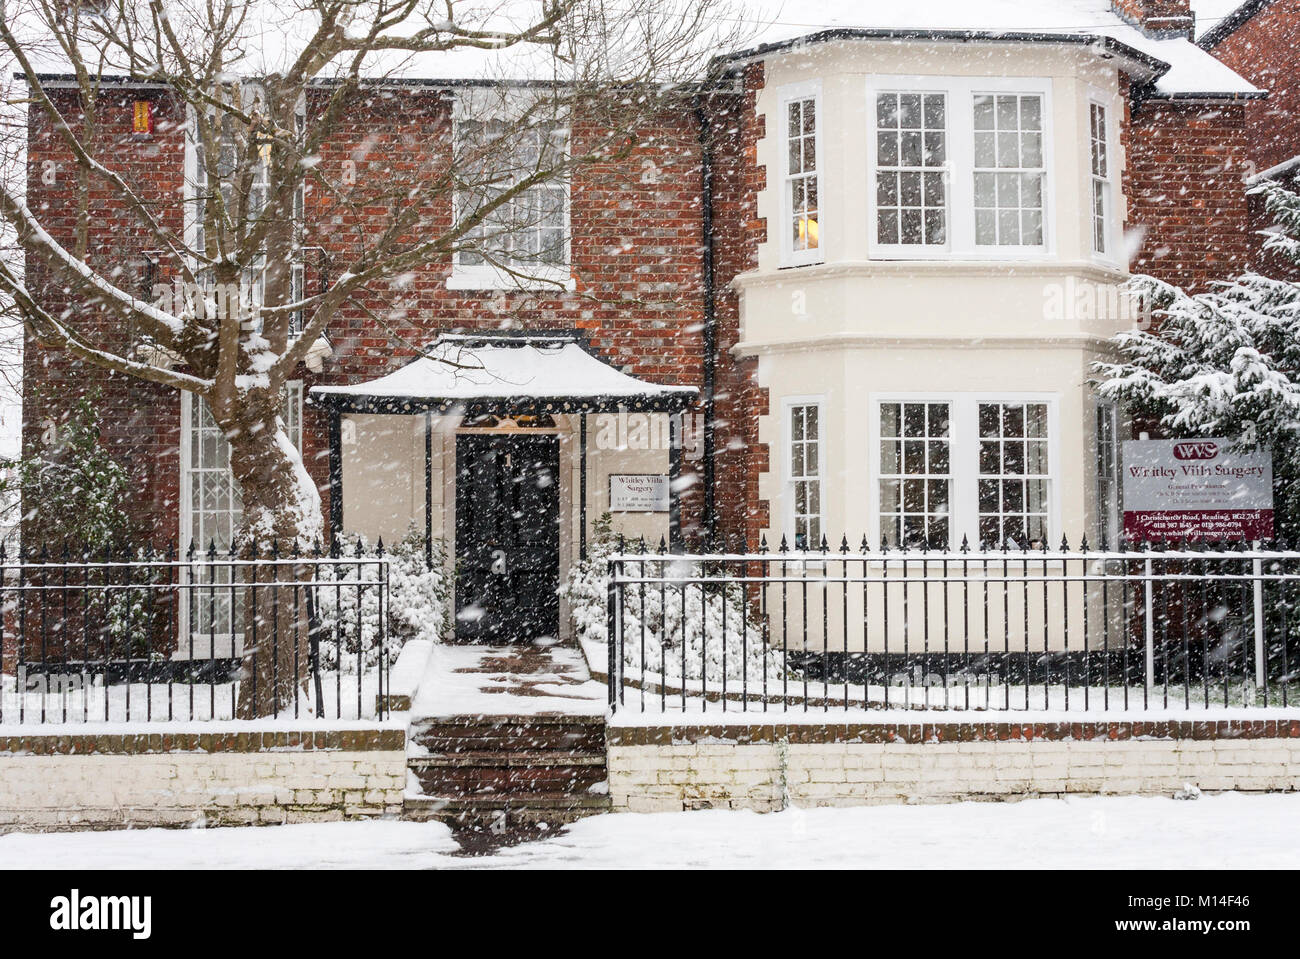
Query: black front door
column 507, row 537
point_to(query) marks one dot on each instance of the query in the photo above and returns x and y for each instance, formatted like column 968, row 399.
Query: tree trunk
column 282, row 514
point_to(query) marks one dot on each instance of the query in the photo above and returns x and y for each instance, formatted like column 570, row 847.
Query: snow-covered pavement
column 1214, row 832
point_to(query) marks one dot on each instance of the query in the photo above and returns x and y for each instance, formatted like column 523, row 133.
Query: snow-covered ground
column 1215, row 832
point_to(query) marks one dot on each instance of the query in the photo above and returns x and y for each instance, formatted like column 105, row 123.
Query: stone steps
column 476, row 770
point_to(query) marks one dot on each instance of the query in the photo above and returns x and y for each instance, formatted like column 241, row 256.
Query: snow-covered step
column 546, row 758
column 508, row 733
column 473, row 769
column 554, row 808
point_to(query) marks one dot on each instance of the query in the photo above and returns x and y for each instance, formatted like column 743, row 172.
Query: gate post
column 1150, row 629
column 610, row 629
column 1257, row 584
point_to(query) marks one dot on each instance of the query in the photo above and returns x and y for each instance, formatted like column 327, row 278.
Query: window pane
column 937, row 415
column 938, row 457
column 889, row 419
column 990, row 458
column 911, row 203
column 1008, row 206
column 922, row 499
column 890, row 457
column 1010, row 506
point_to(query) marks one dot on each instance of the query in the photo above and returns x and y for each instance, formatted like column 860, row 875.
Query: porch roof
column 474, row 374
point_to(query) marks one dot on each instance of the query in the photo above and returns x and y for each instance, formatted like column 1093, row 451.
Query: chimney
column 1161, row 19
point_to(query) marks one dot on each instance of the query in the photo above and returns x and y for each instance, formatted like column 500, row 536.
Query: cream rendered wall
column 384, row 483
column 383, row 475
column 851, row 327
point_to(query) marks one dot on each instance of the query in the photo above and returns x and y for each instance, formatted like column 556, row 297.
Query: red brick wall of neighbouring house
column 637, row 253
column 1185, row 189
column 1266, row 51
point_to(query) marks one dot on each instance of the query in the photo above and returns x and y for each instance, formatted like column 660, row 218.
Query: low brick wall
column 666, row 768
column 219, row 778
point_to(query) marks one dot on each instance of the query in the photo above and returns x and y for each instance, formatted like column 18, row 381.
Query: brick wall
column 762, row 767
column 1266, row 51
column 140, row 421
column 636, row 255
column 217, row 779
column 1185, row 190
column 739, row 231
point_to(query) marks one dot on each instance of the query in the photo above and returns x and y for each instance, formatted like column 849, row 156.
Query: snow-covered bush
column 419, row 597
column 73, row 492
column 1225, row 361
column 670, row 622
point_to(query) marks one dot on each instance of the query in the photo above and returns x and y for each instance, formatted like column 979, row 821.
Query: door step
column 483, row 771
column 483, row 812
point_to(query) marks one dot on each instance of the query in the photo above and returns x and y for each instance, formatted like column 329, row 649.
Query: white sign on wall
column 1196, row 489
column 638, row 493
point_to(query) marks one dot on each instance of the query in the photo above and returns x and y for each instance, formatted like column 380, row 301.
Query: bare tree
column 266, row 88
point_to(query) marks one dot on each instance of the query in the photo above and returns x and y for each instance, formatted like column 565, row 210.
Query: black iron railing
column 1198, row 626
column 150, row 634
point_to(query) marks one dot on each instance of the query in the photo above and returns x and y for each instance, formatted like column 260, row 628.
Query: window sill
column 553, row 279
column 950, row 266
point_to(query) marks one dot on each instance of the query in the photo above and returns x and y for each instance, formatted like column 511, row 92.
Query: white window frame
column 186, row 513
column 808, row 90
column 193, row 211
column 963, row 453
column 1110, row 487
column 536, row 276
column 1108, row 255
column 907, row 250
column 961, row 93
column 788, row 479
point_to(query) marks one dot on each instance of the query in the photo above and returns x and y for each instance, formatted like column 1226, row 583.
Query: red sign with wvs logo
column 1196, row 489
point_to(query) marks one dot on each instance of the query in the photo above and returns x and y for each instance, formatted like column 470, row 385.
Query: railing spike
column 784, row 545
column 844, row 543
column 965, row 543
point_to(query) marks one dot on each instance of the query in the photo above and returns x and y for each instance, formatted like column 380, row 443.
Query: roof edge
column 1231, row 23
column 1155, row 65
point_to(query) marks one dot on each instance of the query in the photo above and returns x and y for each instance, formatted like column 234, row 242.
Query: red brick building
column 875, row 251
column 1260, row 40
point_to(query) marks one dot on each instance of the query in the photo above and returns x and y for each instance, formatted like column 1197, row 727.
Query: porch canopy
column 504, row 374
